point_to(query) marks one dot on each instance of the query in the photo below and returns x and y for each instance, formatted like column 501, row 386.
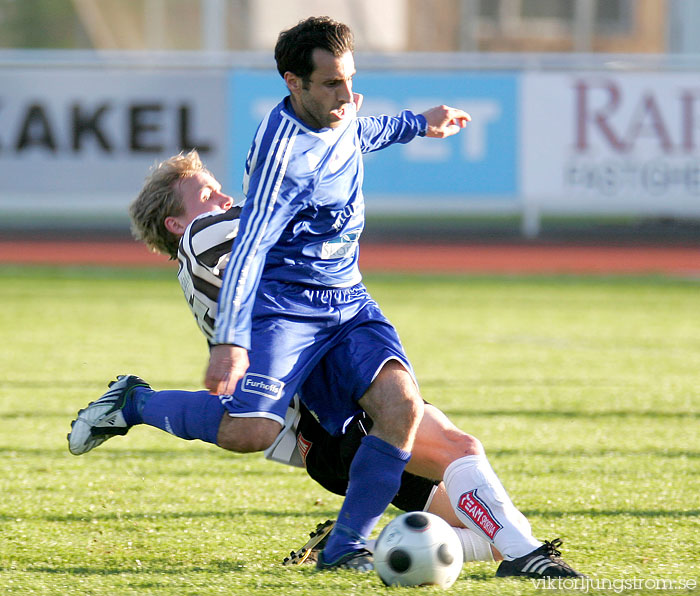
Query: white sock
column 474, row 546
column 481, row 502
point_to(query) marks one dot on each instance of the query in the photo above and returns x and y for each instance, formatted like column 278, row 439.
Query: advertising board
column 78, row 139
column 612, row 141
column 480, row 162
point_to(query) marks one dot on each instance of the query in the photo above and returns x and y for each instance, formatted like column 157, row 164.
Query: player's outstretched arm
column 444, row 121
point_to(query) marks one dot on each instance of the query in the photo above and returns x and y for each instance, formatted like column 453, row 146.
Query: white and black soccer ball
column 418, row 549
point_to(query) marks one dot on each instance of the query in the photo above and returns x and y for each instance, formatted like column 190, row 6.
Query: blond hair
column 160, row 198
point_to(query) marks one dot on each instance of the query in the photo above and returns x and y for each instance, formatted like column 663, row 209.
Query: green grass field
column 584, row 391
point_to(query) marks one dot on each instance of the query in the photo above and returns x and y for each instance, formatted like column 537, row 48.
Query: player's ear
column 293, row 82
column 173, row 225
column 358, row 98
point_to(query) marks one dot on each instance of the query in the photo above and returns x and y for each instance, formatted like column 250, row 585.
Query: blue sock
column 375, row 478
column 185, row 414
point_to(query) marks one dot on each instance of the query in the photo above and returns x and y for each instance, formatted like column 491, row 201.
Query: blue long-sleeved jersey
column 304, row 209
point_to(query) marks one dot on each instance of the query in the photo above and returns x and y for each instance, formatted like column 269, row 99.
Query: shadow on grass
column 576, row 382
column 592, row 453
column 654, row 513
column 573, row 414
column 451, row 412
column 214, row 567
column 315, row 516
column 173, row 457
column 34, row 414
column 67, row 385
column 112, row 453
column 231, row 515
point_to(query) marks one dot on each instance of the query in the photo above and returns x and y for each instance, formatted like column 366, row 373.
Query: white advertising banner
column 78, row 139
column 611, row 141
column 84, row 139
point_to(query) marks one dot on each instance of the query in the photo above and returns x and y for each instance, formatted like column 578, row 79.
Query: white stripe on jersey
column 252, row 158
column 234, row 287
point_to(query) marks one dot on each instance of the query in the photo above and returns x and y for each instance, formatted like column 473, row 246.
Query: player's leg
column 441, row 447
column 247, row 435
column 474, row 546
column 248, row 421
column 477, row 496
column 376, row 469
column 422, row 494
column 394, row 405
column 200, row 415
column 188, row 415
column 328, row 458
column 438, row 443
column 372, row 369
column 281, row 351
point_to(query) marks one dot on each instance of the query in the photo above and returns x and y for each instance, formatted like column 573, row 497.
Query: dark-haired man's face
column 322, row 100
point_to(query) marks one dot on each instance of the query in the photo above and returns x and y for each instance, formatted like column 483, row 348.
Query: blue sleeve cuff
column 422, row 125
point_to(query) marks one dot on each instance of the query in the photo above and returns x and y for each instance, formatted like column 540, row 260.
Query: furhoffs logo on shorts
column 476, row 510
column 262, row 385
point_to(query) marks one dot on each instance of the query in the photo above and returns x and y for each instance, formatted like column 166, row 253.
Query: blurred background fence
column 586, row 113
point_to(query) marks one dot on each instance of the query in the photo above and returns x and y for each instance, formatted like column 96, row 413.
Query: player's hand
column 444, row 121
column 227, row 365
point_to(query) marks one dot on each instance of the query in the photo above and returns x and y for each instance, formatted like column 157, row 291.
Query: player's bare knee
column 397, row 419
column 403, row 411
column 469, row 445
column 400, row 424
column 393, row 397
column 457, row 443
column 246, row 435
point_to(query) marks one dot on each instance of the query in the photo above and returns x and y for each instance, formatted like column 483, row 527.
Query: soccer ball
column 418, row 549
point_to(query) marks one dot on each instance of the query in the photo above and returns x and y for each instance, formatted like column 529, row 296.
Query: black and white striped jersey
column 203, row 254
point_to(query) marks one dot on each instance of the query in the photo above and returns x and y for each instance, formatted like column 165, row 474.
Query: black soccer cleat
column 358, row 560
column 316, row 543
column 544, row 561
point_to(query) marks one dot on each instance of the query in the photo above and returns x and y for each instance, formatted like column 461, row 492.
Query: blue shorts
column 326, row 344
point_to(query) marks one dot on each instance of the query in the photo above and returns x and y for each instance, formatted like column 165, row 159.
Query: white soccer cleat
column 103, row 418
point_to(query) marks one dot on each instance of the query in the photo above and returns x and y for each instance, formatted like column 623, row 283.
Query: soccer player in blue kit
column 292, row 289
column 291, row 300
column 183, row 213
